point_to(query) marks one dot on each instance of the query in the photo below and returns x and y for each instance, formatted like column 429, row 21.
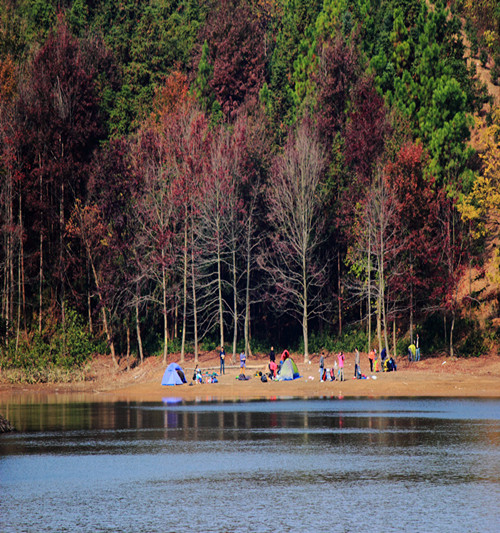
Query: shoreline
column 429, row 378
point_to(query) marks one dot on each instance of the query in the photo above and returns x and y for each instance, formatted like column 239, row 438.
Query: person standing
column 243, row 361
column 371, row 357
column 357, row 369
column 272, row 355
column 222, row 356
column 417, row 349
column 341, row 358
column 321, row 366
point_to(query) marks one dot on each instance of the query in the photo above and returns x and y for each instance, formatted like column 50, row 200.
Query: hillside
column 484, row 281
column 179, row 176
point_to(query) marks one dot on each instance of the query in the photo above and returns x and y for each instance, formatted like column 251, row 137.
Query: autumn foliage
column 184, row 175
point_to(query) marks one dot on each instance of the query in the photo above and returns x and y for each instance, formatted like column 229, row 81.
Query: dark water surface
column 295, row 465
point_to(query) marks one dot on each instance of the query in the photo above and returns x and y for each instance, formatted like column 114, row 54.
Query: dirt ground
column 433, row 377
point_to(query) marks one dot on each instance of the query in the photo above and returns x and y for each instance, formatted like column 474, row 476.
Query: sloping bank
column 5, row 425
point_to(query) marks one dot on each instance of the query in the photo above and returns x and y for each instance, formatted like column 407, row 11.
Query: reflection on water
column 322, row 465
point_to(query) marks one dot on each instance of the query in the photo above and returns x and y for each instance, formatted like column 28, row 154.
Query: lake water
column 296, row 465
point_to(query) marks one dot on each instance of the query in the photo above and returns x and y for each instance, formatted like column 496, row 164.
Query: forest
column 178, row 175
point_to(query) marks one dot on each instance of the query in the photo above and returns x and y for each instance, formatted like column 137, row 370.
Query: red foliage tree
column 366, row 131
column 419, row 204
column 335, row 78
column 236, row 49
column 58, row 125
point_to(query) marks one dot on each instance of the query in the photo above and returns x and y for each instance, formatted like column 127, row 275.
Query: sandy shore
column 434, row 377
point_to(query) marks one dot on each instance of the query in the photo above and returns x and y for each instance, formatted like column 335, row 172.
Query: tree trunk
column 61, row 262
column 184, row 296
column 195, row 309
column 40, row 274
column 10, row 260
column 382, row 295
column 339, row 288
column 219, row 289
column 305, row 310
column 89, row 301
column 128, row 345
column 165, row 316
column 40, row 285
column 452, row 327
column 138, row 330
column 368, row 303
column 411, row 309
column 386, row 341
column 107, row 328
column 176, row 316
column 247, row 289
column 235, row 307
column 379, row 321
column 18, row 325
column 21, row 257
column 394, row 351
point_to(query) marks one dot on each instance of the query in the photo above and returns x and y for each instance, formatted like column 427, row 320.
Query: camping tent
column 288, row 370
column 174, row 375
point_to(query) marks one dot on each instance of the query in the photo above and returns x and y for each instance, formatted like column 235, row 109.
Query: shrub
column 483, row 57
column 351, row 339
column 67, row 348
column 74, row 345
column 495, row 70
column 473, row 345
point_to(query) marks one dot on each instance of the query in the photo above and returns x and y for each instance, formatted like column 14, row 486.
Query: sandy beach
column 433, row 377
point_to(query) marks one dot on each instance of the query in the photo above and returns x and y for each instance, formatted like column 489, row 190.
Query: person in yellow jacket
column 412, row 350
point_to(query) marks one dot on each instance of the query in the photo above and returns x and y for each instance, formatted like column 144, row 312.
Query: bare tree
column 378, row 243
column 155, row 211
column 294, row 199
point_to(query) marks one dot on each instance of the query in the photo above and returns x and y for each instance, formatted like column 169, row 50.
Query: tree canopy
column 276, row 172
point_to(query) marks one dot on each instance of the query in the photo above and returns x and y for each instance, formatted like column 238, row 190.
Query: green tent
column 288, row 371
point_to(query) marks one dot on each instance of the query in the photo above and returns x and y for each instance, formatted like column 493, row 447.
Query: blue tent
column 174, row 375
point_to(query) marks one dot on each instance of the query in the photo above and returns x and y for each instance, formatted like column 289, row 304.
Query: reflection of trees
column 383, row 432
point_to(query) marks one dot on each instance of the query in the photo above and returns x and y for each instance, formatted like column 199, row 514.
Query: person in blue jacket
column 222, row 356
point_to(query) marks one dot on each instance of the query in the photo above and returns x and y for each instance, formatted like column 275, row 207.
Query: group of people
column 204, row 377
column 335, row 373
column 273, row 366
column 384, row 363
column 414, row 351
column 222, row 359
